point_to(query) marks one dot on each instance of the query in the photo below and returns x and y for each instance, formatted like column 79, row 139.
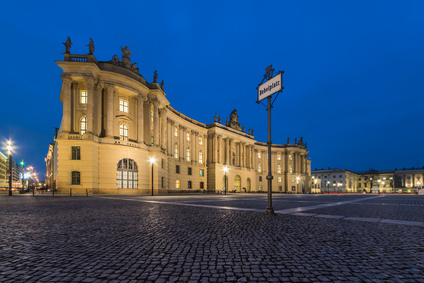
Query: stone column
column 66, row 100
column 215, row 148
column 90, row 102
column 110, row 113
column 162, row 113
column 156, row 128
column 140, row 117
column 147, row 123
column 219, row 149
column 170, row 137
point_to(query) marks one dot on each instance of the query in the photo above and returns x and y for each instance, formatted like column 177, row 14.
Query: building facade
column 372, row 181
column 115, row 124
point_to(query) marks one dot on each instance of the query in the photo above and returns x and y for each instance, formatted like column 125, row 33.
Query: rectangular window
column 76, row 154
column 161, row 162
column 177, row 169
column 189, row 184
column 177, row 184
column 202, row 185
column 123, row 105
column 76, row 178
column 188, row 136
column 290, row 157
column 189, row 170
column 176, row 131
column 83, row 97
column 278, row 156
column 162, row 181
column 260, row 178
column 259, row 154
column 279, row 179
column 200, row 140
column 202, row 173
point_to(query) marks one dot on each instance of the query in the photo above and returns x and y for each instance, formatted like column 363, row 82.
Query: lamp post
column 9, row 152
column 338, row 186
column 225, row 179
column 152, row 161
column 297, row 184
column 22, row 176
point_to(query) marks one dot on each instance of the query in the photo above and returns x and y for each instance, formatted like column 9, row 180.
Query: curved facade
column 114, row 122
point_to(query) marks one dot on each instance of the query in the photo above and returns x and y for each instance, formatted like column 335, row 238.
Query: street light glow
column 152, row 160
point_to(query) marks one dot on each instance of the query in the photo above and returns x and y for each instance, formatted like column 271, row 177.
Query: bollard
column 33, row 191
column 70, row 192
column 86, row 191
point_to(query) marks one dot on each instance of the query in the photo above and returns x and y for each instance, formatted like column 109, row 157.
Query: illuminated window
column 176, row 131
column 76, row 153
column 202, row 173
column 279, row 179
column 176, row 151
column 200, row 157
column 278, row 156
column 76, row 178
column 292, row 179
column 127, row 174
column 123, row 132
column 200, row 140
column 259, row 154
column 123, row 105
column 177, row 184
column 83, row 97
column 290, row 169
column 188, row 154
column 259, row 168
column 290, row 157
column 260, row 187
column 83, row 125
column 188, row 136
column 279, row 168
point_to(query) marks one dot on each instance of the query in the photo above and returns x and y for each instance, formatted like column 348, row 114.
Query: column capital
column 66, row 78
column 146, row 103
column 110, row 87
column 155, row 103
column 89, row 79
column 163, row 111
column 142, row 96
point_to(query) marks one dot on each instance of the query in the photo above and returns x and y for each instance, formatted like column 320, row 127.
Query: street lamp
column 152, row 161
column 225, row 179
column 9, row 152
column 338, row 186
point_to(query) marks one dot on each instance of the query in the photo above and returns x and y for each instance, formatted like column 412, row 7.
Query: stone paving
column 189, row 239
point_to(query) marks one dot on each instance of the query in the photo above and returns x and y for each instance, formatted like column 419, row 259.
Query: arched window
column 188, row 154
column 176, row 150
column 200, row 157
column 123, row 105
column 178, row 184
column 83, row 125
column 123, row 132
column 237, row 183
column 279, row 168
column 127, row 174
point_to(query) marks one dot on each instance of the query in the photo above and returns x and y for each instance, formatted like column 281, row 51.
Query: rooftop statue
column 67, row 44
column 162, row 85
column 126, row 61
column 155, row 77
column 288, row 140
column 91, row 47
column 234, row 121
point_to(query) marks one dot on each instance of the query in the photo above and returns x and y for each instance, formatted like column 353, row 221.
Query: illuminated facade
column 114, row 121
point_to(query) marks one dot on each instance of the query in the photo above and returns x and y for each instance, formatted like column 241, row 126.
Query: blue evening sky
column 354, row 70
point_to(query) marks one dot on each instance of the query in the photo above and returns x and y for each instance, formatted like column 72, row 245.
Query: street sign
column 270, row 87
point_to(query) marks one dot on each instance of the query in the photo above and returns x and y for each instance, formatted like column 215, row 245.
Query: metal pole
column 269, row 209
column 11, row 172
column 225, row 185
column 152, row 178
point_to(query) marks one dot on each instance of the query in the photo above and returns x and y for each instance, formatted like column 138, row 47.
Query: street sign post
column 272, row 85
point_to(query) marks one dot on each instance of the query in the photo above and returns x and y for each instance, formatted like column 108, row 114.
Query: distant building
column 371, row 181
column 114, row 121
column 16, row 175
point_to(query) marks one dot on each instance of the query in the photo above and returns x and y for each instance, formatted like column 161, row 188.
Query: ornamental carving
column 233, row 123
column 66, row 78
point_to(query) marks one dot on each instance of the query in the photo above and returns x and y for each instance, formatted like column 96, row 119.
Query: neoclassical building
column 115, row 122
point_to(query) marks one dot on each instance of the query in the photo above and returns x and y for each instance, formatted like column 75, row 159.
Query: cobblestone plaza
column 212, row 238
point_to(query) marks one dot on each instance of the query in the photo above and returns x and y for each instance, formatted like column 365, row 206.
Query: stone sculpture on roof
column 233, row 123
column 91, row 47
column 67, row 44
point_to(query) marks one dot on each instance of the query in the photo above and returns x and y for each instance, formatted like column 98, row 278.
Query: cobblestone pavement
column 189, row 239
